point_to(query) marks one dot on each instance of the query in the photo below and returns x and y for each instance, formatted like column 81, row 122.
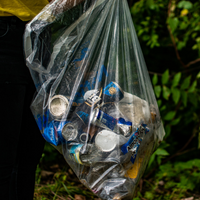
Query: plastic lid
column 106, row 140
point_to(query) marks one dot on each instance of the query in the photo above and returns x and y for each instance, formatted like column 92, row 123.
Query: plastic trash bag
column 95, row 102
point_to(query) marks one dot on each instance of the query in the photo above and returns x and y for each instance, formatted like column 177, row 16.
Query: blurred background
column 169, row 35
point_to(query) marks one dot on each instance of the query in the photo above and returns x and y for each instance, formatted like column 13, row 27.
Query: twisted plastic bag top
column 95, row 102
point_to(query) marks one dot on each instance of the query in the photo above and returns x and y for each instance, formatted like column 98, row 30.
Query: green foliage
column 176, row 93
column 186, row 83
column 166, row 92
column 176, row 79
column 155, row 79
column 185, row 174
column 157, row 90
column 185, row 4
column 178, row 179
column 165, row 77
column 151, row 22
column 173, row 23
column 179, row 102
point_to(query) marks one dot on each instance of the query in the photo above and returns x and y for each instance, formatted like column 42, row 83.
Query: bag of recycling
column 95, row 103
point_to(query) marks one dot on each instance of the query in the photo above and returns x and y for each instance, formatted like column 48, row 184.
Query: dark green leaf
column 159, row 102
column 193, row 99
column 183, row 25
column 195, row 162
column 170, row 115
column 173, row 23
column 170, row 184
column 150, row 3
column 186, row 83
column 198, row 75
column 186, row 183
column 137, row 198
column 159, row 159
column 164, row 145
column 176, row 79
column 176, row 95
column 185, row 4
column 152, row 159
column 161, row 152
column 155, row 79
column 165, row 77
column 180, row 166
column 163, row 108
column 175, row 121
column 184, row 97
column 193, row 87
column 149, row 195
column 180, row 45
column 167, row 170
column 157, row 90
column 166, row 92
column 146, row 37
column 167, row 130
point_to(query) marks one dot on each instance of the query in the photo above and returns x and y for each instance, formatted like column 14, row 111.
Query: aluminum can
column 96, row 154
column 82, row 112
column 74, row 153
column 94, row 99
column 120, row 126
column 89, row 93
column 58, row 106
column 103, row 118
column 112, row 93
column 70, row 132
column 80, row 121
column 110, row 108
column 106, row 140
column 124, row 126
column 83, row 116
column 53, row 132
column 134, row 142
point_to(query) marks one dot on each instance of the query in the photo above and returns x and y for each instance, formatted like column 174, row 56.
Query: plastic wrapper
column 95, row 103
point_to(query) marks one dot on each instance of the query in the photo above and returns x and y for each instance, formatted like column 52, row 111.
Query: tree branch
column 184, row 71
column 190, row 70
column 169, row 7
column 193, row 62
column 172, row 37
column 175, row 47
column 159, row 74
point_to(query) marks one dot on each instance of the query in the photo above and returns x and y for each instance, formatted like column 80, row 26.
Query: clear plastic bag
column 95, row 102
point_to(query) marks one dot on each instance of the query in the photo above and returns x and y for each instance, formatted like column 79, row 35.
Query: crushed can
column 53, row 132
column 134, row 142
